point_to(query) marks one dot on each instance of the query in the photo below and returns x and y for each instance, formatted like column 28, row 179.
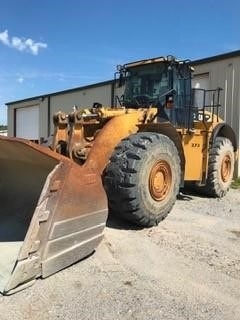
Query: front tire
column 142, row 178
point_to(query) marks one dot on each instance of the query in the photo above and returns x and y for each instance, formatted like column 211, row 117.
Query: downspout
column 49, row 116
column 14, row 122
column 112, row 94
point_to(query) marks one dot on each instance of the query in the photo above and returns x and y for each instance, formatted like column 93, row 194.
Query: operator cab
column 164, row 83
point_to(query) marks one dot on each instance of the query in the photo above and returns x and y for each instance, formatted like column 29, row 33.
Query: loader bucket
column 52, row 212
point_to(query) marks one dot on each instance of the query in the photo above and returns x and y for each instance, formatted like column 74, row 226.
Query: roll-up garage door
column 27, row 122
column 199, row 82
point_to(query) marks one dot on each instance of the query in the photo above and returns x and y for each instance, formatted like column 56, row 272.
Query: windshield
column 146, row 85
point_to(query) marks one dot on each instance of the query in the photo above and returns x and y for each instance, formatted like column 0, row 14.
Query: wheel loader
column 130, row 160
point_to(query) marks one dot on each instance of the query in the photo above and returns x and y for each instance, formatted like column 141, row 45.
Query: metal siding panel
column 43, row 119
column 226, row 74
column 10, row 121
column 82, row 99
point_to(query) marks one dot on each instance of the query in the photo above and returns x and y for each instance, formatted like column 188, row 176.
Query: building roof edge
column 44, row 95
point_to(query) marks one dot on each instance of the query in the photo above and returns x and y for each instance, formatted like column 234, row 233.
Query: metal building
column 32, row 118
column 222, row 71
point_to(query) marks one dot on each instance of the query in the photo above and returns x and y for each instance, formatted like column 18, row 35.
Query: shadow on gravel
column 117, row 223
column 190, row 192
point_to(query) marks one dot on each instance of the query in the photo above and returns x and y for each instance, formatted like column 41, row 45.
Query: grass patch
column 236, row 183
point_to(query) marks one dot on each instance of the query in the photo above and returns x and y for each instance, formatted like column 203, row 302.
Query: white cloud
column 20, row 79
column 18, row 44
column 4, row 37
column 21, row 44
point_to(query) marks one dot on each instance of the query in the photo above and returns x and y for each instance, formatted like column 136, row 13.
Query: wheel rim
column 160, row 180
column 226, row 168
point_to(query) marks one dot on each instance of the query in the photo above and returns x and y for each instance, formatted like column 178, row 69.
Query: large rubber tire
column 142, row 178
column 220, row 168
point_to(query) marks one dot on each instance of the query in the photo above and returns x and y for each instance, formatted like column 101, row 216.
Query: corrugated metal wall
column 82, row 99
column 226, row 74
column 64, row 101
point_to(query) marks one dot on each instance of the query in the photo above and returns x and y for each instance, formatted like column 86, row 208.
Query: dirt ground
column 188, row 267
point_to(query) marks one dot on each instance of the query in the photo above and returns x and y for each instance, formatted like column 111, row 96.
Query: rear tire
column 142, row 178
column 220, row 168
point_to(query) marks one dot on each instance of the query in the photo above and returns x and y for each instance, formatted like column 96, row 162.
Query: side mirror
column 169, row 103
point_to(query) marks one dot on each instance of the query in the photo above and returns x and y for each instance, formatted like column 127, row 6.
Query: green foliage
column 236, row 183
column 3, row 127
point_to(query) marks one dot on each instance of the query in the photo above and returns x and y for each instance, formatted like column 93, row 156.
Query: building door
column 199, row 82
column 27, row 123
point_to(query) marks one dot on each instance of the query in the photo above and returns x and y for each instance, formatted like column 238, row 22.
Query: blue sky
column 53, row 45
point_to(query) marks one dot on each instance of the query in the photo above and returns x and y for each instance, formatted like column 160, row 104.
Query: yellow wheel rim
column 160, row 180
column 226, row 168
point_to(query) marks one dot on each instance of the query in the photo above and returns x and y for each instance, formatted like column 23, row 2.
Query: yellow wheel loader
column 129, row 160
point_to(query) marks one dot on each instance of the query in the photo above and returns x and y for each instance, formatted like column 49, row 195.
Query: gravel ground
column 188, row 267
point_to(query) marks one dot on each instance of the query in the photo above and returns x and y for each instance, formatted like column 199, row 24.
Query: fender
column 224, row 130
